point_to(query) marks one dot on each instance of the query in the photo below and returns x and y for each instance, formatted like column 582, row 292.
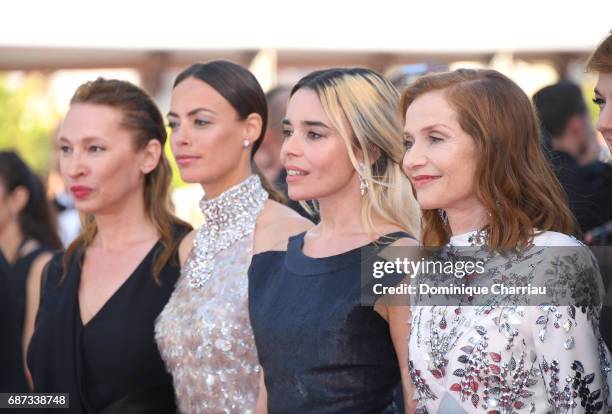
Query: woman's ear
column 18, row 199
column 373, row 154
column 253, row 126
column 151, row 155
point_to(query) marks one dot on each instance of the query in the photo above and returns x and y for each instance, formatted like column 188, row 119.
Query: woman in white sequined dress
column 218, row 117
column 473, row 156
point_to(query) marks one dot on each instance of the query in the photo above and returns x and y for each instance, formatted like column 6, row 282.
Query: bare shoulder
column 407, row 240
column 37, row 268
column 404, row 242
column 275, row 225
column 186, row 245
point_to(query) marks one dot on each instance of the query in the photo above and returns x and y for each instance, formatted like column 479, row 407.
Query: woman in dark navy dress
column 94, row 336
column 27, row 239
column 320, row 349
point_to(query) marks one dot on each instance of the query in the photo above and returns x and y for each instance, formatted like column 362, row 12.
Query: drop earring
column 443, row 216
column 363, row 184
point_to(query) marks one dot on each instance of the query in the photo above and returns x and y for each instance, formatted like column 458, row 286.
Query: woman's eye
column 172, row 124
column 435, row 139
column 407, row 143
column 314, row 135
column 201, row 122
column 599, row 101
column 65, row 149
column 287, row 133
column 96, row 148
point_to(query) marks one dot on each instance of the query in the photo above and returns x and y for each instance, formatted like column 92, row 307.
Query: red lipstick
column 80, row 192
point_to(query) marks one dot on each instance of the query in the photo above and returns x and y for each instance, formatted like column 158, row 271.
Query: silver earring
column 443, row 216
column 363, row 184
column 246, row 143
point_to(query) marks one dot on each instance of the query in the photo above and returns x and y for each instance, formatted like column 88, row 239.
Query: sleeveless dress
column 111, row 364
column 320, row 349
column 204, row 333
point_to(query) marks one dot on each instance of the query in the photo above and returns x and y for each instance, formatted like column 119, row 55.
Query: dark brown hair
column 35, row 219
column 514, row 181
column 143, row 119
column 240, row 88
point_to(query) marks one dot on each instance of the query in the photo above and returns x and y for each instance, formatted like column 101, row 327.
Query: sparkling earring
column 443, row 216
column 363, row 184
column 246, row 143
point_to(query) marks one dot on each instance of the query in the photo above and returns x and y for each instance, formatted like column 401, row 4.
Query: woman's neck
column 340, row 213
column 129, row 225
column 10, row 239
column 222, row 184
column 464, row 219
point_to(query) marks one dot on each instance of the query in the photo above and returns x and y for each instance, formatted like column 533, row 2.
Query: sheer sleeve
column 570, row 355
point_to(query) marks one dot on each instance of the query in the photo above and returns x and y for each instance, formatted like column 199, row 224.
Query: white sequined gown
column 204, row 332
column 507, row 359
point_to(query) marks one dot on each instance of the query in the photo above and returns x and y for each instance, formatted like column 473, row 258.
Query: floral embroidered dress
column 506, row 355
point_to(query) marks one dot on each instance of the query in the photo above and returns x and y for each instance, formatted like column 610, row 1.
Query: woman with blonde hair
column 474, row 158
column 321, row 351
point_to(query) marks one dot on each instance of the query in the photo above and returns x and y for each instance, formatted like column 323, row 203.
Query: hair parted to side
column 35, row 219
column 363, row 107
column 140, row 116
column 240, row 88
column 513, row 179
column 601, row 59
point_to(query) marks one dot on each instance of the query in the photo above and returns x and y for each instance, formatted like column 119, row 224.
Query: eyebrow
column 192, row 112
column 430, row 127
column 308, row 123
column 84, row 140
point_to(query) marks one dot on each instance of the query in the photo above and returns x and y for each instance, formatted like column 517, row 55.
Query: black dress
column 321, row 351
column 112, row 364
column 12, row 377
column 19, row 272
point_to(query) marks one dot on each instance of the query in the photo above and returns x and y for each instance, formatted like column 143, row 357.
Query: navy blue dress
column 321, row 350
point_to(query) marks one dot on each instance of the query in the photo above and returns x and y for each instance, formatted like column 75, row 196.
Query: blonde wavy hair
column 364, row 108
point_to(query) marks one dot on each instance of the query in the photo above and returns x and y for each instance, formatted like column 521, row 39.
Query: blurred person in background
column 27, row 238
column 94, row 334
column 12, row 378
column 218, row 117
column 267, row 156
column 573, row 150
column 66, row 215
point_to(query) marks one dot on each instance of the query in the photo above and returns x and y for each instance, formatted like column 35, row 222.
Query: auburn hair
column 513, row 179
column 601, row 59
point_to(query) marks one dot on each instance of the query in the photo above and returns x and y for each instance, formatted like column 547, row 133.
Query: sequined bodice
column 501, row 359
column 204, row 333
